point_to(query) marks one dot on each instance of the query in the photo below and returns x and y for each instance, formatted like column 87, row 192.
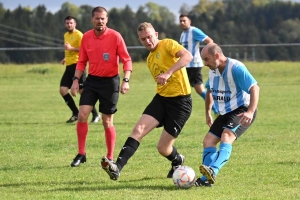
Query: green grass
column 37, row 146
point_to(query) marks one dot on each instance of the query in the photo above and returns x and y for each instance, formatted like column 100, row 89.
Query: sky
column 55, row 5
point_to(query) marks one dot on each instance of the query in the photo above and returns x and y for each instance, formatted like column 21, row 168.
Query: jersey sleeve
column 173, row 47
column 83, row 58
column 199, row 35
column 123, row 54
column 243, row 78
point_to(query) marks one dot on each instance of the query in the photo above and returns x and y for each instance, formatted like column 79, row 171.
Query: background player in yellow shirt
column 72, row 41
column 171, row 106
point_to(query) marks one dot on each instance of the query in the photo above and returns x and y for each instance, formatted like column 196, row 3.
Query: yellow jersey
column 162, row 59
column 71, row 57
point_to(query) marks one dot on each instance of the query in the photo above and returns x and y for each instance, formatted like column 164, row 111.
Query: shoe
column 110, row 168
column 72, row 119
column 209, row 173
column 200, row 183
column 78, row 159
column 174, row 167
column 96, row 119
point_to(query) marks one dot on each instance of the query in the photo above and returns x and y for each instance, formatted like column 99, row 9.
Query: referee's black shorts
column 104, row 89
column 171, row 112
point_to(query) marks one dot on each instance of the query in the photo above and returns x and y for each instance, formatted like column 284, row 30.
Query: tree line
column 225, row 21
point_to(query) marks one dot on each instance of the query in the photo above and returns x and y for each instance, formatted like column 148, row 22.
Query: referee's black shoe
column 78, row 159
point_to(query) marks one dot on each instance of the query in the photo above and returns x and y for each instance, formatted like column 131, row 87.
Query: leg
column 65, row 85
column 141, row 129
column 210, row 142
column 110, row 134
column 145, row 124
column 70, row 102
column 231, row 129
column 165, row 148
column 96, row 116
column 82, row 130
column 199, row 88
column 223, row 155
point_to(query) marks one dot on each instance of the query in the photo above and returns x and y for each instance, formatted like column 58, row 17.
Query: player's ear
column 217, row 56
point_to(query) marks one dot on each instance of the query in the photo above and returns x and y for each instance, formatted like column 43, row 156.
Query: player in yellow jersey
column 171, row 106
column 72, row 41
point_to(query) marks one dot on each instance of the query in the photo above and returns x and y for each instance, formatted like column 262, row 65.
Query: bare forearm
column 254, row 97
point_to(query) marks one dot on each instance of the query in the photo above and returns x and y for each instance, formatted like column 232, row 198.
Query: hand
column 124, row 87
column 68, row 46
column 63, row 61
column 246, row 118
column 209, row 120
column 75, row 88
column 163, row 78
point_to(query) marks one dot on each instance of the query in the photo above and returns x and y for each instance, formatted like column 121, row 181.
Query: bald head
column 211, row 49
column 213, row 57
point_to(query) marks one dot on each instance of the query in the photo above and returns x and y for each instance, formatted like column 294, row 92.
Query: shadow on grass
column 289, row 163
column 19, row 168
column 88, row 186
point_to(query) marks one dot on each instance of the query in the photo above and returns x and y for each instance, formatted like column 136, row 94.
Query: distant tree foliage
column 225, row 21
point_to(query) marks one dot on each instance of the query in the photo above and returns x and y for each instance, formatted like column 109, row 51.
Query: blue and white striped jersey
column 191, row 39
column 231, row 89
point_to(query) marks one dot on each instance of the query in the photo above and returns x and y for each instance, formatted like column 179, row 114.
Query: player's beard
column 70, row 30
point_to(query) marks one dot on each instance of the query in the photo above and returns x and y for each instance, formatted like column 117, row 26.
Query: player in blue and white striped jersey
column 235, row 92
column 190, row 38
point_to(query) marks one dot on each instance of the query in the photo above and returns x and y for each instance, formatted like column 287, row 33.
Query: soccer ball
column 184, row 177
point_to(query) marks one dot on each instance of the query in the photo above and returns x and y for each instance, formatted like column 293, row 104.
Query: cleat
column 78, row 159
column 72, row 119
column 110, row 168
column 209, row 173
column 96, row 119
column 174, row 167
column 201, row 183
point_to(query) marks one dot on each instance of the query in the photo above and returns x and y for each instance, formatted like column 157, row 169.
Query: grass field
column 37, row 146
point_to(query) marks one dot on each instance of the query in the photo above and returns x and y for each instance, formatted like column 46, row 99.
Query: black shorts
column 104, row 89
column 171, row 112
column 230, row 121
column 194, row 74
column 66, row 79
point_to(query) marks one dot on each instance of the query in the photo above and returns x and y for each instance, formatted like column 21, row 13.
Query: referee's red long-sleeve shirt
column 103, row 53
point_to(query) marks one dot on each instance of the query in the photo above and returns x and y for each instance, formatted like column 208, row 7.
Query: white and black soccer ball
column 184, row 177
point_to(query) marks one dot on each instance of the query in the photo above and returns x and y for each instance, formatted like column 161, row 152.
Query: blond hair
column 143, row 26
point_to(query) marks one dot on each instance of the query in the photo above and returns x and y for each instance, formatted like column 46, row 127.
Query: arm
column 185, row 57
column 208, row 40
column 127, row 63
column 75, row 85
column 68, row 47
column 247, row 117
column 125, row 85
column 208, row 105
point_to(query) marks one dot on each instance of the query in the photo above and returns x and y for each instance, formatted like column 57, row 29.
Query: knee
column 164, row 149
column 210, row 141
column 161, row 149
column 83, row 116
column 138, row 132
column 63, row 91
